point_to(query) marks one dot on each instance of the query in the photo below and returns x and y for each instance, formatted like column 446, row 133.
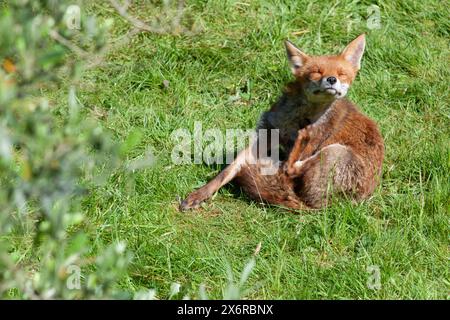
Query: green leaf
column 78, row 244
column 52, row 58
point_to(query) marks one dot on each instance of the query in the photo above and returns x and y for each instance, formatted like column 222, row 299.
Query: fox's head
column 326, row 78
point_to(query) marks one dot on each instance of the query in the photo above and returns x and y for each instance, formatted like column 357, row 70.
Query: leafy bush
column 47, row 162
column 51, row 155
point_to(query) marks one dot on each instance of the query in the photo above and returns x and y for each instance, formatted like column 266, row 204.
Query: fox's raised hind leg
column 226, row 175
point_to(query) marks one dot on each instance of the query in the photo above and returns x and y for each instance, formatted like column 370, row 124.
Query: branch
column 69, row 44
column 174, row 27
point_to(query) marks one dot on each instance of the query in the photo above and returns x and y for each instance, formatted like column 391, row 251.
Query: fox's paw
column 193, row 201
column 292, row 170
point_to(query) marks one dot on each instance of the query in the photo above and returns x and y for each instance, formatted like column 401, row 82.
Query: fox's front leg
column 307, row 142
column 299, row 145
column 291, row 165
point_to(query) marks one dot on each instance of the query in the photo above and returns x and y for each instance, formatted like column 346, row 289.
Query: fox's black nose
column 331, row 80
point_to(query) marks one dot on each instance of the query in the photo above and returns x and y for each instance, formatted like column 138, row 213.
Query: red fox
column 332, row 148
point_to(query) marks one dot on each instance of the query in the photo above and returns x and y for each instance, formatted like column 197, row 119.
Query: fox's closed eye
column 315, row 75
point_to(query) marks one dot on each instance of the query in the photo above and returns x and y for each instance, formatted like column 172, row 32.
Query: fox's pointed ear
column 354, row 51
column 295, row 56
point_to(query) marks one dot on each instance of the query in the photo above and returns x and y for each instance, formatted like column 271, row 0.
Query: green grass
column 403, row 229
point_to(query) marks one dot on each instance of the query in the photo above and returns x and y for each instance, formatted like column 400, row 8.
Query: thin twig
column 137, row 23
column 69, row 44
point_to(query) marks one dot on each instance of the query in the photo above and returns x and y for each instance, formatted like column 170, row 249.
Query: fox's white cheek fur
column 343, row 89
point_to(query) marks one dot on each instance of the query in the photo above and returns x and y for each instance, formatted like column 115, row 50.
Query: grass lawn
column 403, row 229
